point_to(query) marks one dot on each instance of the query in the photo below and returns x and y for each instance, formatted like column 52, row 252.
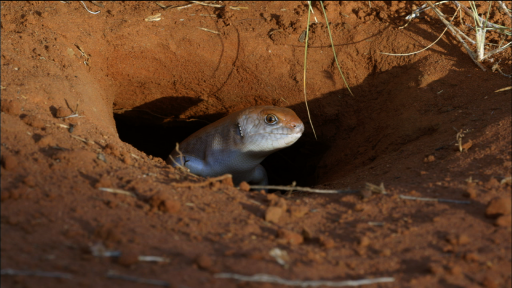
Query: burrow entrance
column 157, row 136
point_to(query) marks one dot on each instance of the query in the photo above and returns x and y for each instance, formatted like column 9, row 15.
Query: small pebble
column 29, row 181
column 436, row 269
column 471, row 257
column 327, row 242
column 290, row 237
column 364, row 241
column 204, row 262
column 471, row 192
column 429, row 158
column 244, row 186
column 102, row 157
column 228, row 181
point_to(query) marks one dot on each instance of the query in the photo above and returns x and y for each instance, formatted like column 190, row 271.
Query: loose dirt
column 138, row 87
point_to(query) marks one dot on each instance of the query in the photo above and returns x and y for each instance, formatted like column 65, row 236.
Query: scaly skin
column 237, row 143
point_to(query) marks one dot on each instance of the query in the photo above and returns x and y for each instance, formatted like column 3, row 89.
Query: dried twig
column 302, row 283
column 35, row 273
column 113, row 275
column 434, row 199
column 305, row 189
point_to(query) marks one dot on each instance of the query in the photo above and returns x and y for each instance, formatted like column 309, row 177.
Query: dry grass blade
column 434, row 199
column 504, row 89
column 333, row 50
column 305, row 189
column 36, row 273
column 114, row 275
column 208, row 30
column 207, row 4
column 152, row 18
column 305, row 69
column 454, row 33
column 116, row 191
column 238, row 8
column 265, row 278
column 440, row 36
column 477, row 18
column 504, row 8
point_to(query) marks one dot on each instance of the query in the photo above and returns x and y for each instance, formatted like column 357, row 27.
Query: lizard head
column 269, row 128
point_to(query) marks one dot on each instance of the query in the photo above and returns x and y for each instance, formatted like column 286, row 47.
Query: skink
column 237, row 143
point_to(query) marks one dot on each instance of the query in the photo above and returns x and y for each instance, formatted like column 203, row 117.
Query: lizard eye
column 271, row 119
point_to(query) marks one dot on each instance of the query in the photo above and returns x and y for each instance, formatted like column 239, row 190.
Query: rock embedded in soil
column 228, row 181
column 497, row 207
column 62, row 112
column 504, row 221
column 273, row 214
column 30, row 181
column 112, row 149
column 9, row 162
column 289, row 237
column 163, row 202
column 298, row 211
column 461, row 239
column 11, row 107
column 364, row 241
column 492, row 184
column 33, row 121
column 206, row 262
column 471, row 192
column 326, row 242
column 46, row 141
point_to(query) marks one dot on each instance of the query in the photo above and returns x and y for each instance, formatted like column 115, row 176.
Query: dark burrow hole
column 157, row 137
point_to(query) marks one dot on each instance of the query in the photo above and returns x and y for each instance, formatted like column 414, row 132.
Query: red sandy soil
column 144, row 79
